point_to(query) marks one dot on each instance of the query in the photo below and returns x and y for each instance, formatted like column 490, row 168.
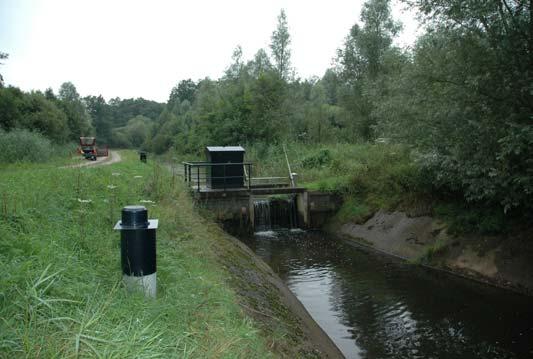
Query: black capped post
column 142, row 156
column 138, row 249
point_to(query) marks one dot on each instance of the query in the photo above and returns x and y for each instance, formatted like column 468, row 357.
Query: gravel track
column 113, row 157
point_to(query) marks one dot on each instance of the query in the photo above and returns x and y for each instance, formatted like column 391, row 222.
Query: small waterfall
column 262, row 220
column 273, row 214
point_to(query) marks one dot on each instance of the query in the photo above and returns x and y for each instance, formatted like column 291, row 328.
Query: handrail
column 199, row 176
column 209, row 164
column 291, row 178
column 269, row 178
column 245, row 172
column 221, row 181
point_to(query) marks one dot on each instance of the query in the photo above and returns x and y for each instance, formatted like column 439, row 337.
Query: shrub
column 466, row 218
column 320, row 159
column 23, row 146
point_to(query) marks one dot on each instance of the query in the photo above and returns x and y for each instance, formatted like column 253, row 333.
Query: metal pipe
column 249, row 176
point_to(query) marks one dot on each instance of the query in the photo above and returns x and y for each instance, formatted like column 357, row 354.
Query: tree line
column 461, row 98
column 65, row 116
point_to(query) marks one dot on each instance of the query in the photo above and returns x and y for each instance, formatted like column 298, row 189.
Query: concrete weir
column 237, row 204
column 225, row 185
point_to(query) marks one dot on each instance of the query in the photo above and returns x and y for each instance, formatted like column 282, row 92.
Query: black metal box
column 222, row 174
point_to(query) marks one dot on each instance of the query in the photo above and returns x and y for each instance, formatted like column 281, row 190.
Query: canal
column 373, row 306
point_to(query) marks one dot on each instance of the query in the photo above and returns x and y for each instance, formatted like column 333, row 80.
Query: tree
column 3, row 56
column 49, row 94
column 360, row 63
column 45, row 117
column 185, row 90
column 101, row 115
column 34, row 112
column 162, row 139
column 137, row 130
column 364, row 48
column 11, row 104
column 260, row 64
column 234, row 70
column 465, row 100
column 279, row 45
column 79, row 121
column 68, row 92
column 124, row 109
column 266, row 97
column 377, row 35
column 505, row 26
column 330, row 82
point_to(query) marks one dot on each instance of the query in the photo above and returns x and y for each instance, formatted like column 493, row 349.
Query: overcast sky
column 130, row 48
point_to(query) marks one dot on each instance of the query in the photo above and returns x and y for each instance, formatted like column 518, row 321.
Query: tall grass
column 378, row 176
column 369, row 176
column 61, row 293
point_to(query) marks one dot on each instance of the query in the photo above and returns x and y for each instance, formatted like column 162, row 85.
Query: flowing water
column 274, row 214
column 373, row 306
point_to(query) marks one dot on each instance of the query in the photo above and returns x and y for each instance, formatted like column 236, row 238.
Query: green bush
column 466, row 218
column 23, row 146
column 322, row 158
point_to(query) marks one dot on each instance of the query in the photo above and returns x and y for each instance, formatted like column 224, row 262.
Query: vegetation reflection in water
column 377, row 307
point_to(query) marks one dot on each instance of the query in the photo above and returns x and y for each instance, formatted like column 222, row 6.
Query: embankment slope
column 504, row 261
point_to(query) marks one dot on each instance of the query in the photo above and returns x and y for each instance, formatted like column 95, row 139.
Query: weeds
column 431, row 252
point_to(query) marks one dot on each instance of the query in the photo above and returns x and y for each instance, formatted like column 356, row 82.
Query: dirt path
column 113, row 157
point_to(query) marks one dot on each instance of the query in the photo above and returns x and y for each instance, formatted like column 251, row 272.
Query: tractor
column 88, row 148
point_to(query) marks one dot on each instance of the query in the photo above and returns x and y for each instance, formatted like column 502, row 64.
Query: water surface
column 377, row 307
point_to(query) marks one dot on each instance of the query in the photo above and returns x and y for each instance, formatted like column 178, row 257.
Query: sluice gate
column 224, row 185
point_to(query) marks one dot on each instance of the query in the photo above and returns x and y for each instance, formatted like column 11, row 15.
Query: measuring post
column 142, row 156
column 138, row 249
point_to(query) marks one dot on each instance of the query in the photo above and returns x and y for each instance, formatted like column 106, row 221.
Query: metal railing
column 271, row 182
column 217, row 175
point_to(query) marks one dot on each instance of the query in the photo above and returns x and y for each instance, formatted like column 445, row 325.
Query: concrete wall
column 314, row 208
column 229, row 208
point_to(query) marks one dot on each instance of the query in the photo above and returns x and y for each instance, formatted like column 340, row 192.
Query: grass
column 371, row 177
column 376, row 176
column 431, row 252
column 354, row 211
column 368, row 176
column 61, row 293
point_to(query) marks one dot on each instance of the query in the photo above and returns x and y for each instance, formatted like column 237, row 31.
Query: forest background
column 457, row 105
